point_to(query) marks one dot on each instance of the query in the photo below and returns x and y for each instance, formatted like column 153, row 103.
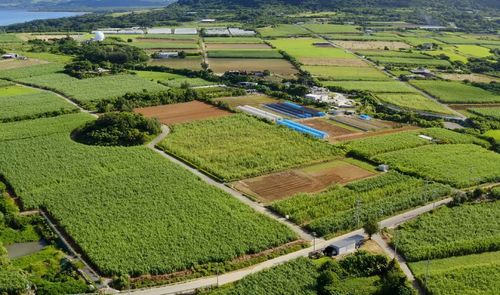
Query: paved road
column 257, row 207
column 239, row 274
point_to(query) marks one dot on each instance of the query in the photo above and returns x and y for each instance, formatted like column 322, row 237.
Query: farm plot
column 471, row 77
column 117, row 231
column 447, row 232
column 172, row 80
column 329, row 127
column 160, row 44
column 364, row 125
column 399, row 61
column 251, row 100
column 283, row 30
column 182, row 112
column 256, row 54
column 18, row 103
column 276, row 66
column 378, row 86
column 232, row 40
column 474, row 51
column 346, row 73
column 456, row 92
column 16, row 63
column 332, row 211
column 306, row 48
column 331, row 28
column 31, row 71
column 460, row 165
column 190, row 62
column 449, row 52
column 233, row 46
column 372, row 45
column 362, row 38
column 472, row 274
column 414, row 102
column 239, row 146
column 392, row 53
column 310, row 179
column 89, row 91
column 493, row 113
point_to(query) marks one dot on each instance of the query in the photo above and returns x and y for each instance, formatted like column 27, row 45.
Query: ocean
column 8, row 17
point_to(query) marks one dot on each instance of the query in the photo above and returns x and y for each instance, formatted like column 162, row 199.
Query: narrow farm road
column 257, row 207
column 234, row 276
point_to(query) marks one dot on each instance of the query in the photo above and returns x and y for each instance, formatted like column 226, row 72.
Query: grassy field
column 460, row 165
column 283, row 30
column 413, row 101
column 190, row 62
column 474, row 50
column 18, row 103
column 244, row 54
column 456, row 92
column 378, row 86
column 239, row 146
column 472, row 274
column 410, row 61
column 117, row 231
column 304, row 47
column 392, row 53
column 330, row 28
column 450, row 52
column 333, row 211
column 347, row 73
column 164, row 45
column 495, row 134
column 450, row 232
column 32, row 71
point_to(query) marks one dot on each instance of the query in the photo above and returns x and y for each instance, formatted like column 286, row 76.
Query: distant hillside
column 323, row 4
column 72, row 4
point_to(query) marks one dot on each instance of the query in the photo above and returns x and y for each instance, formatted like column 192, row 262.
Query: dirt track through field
column 182, row 112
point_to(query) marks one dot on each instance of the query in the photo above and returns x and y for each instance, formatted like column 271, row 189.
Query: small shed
column 345, row 246
column 383, row 168
column 164, row 55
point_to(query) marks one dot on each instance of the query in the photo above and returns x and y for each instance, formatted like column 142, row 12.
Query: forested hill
column 81, row 4
column 342, row 4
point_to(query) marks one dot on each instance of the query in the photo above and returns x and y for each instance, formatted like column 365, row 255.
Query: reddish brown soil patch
column 281, row 185
column 331, row 129
column 182, row 112
column 370, row 134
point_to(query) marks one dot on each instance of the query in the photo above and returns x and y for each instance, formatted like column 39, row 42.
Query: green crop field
column 410, row 61
column 244, row 54
column 283, row 30
column 88, row 91
column 450, row 52
column 460, row 165
column 172, row 80
column 471, row 274
column 414, row 101
column 447, row 232
column 347, row 73
column 352, row 37
column 334, row 211
column 378, row 86
column 239, row 146
column 369, row 147
column 493, row 113
column 330, row 28
column 467, row 41
column 33, row 71
column 304, row 47
column 19, row 103
column 233, row 40
column 392, row 53
column 495, row 134
column 456, row 92
column 129, row 209
column 9, row 38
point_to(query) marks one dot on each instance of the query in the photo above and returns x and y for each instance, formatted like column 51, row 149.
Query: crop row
column 244, row 54
column 128, row 209
column 341, row 209
column 456, row 92
column 455, row 231
column 493, row 113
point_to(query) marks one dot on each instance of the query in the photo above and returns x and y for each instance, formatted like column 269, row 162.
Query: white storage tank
column 99, row 36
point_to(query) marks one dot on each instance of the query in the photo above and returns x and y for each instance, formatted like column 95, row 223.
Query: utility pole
column 314, row 241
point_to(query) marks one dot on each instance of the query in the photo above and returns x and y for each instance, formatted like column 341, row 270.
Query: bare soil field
column 251, row 100
column 370, row 125
column 215, row 46
column 470, row 77
column 15, row 63
column 182, row 112
column 277, row 66
column 276, row 186
column 362, row 135
column 369, row 45
column 339, row 62
column 323, row 125
column 179, row 63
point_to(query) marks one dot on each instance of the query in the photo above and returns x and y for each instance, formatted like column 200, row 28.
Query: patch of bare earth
column 182, row 112
column 369, row 45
